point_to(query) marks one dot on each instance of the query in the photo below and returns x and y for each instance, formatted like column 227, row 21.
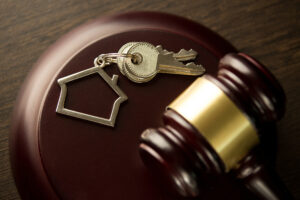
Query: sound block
column 54, row 156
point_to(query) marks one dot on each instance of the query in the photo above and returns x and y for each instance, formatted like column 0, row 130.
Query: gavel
column 215, row 127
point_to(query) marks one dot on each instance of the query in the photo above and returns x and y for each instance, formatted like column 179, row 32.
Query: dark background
column 268, row 30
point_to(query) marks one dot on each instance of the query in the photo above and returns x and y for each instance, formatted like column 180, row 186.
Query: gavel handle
column 260, row 180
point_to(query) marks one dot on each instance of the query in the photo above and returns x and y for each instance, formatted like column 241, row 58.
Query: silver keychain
column 99, row 63
column 139, row 62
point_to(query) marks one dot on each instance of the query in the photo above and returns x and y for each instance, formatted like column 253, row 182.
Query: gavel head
column 213, row 124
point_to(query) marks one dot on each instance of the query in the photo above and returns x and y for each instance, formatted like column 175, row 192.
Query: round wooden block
column 58, row 157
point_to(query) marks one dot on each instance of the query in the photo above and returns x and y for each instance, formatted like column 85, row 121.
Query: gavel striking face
column 213, row 127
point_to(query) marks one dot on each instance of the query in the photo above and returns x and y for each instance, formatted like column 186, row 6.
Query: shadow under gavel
column 217, row 126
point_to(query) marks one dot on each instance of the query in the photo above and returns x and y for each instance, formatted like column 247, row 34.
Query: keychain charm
column 99, row 63
column 139, row 62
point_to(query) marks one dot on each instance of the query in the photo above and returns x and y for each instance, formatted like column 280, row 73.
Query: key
column 182, row 55
column 153, row 62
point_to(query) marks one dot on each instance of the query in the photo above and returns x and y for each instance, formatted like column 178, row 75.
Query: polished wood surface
column 267, row 30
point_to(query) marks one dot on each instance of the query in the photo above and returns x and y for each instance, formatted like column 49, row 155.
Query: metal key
column 155, row 60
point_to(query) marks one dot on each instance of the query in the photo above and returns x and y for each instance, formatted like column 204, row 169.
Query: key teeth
column 178, row 58
column 182, row 52
column 159, row 48
column 192, row 51
column 185, row 52
column 163, row 51
column 192, row 64
column 185, row 55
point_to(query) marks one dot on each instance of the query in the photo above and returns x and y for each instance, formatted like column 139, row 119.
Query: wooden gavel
column 213, row 128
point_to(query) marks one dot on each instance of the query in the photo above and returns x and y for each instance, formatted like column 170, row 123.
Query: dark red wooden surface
column 268, row 30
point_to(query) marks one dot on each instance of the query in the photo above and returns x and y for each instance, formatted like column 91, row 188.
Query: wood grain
column 267, row 30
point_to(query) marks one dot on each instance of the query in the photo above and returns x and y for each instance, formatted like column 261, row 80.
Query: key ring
column 106, row 59
column 139, row 62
